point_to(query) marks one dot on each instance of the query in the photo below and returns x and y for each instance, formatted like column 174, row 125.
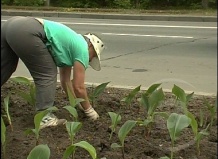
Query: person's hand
column 91, row 113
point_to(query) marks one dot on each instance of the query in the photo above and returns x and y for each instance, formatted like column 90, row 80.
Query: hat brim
column 95, row 63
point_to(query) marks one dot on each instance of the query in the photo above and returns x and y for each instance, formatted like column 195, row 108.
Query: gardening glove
column 91, row 113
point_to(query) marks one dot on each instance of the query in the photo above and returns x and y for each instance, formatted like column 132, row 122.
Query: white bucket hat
column 99, row 47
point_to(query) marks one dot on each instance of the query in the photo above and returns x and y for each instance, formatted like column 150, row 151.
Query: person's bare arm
column 77, row 87
column 79, row 84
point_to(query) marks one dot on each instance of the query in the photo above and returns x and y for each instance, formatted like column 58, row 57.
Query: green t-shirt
column 65, row 45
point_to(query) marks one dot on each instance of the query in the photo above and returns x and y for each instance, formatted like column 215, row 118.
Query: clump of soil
column 137, row 144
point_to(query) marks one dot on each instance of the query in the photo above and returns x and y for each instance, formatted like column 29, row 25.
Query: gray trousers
column 24, row 38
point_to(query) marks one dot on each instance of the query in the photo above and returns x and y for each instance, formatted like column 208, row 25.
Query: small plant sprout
column 3, row 137
column 6, row 106
column 39, row 152
column 212, row 109
column 72, row 129
column 150, row 100
column 128, row 99
column 175, row 124
column 82, row 144
column 97, row 91
column 182, row 97
column 115, row 120
column 123, row 131
column 30, row 96
column 37, row 119
column 73, row 103
column 198, row 135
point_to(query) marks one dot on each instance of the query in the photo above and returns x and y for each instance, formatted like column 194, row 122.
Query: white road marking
column 159, row 36
column 139, row 25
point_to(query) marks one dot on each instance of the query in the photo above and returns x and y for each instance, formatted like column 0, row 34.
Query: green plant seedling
column 39, row 152
column 30, row 96
column 97, row 91
column 115, row 120
column 3, row 137
column 212, row 109
column 124, row 130
column 182, row 97
column 73, row 103
column 175, row 124
column 6, row 106
column 37, row 119
column 150, row 100
column 72, row 129
column 128, row 99
column 198, row 135
column 82, row 144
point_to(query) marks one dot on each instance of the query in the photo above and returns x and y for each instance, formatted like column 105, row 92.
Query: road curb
column 109, row 16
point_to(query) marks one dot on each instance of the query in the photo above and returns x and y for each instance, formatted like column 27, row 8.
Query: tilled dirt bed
column 137, row 145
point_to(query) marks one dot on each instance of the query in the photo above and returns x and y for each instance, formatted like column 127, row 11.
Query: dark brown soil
column 137, row 145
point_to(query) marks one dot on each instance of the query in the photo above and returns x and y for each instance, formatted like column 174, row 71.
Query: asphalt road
column 147, row 52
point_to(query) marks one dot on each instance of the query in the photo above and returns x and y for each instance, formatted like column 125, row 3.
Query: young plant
column 39, row 152
column 128, row 99
column 115, row 120
column 73, row 103
column 37, row 119
column 123, row 131
column 72, row 129
column 182, row 97
column 175, row 124
column 30, row 96
column 212, row 109
column 198, row 135
column 150, row 100
column 6, row 106
column 3, row 137
column 82, row 144
column 97, row 91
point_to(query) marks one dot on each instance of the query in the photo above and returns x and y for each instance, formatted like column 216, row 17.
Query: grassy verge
column 202, row 12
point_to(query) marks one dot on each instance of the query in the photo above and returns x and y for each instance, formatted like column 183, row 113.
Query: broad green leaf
column 30, row 131
column 155, row 98
column 180, row 93
column 152, row 88
column 26, row 97
column 38, row 117
column 99, row 89
column 72, row 111
column 128, row 99
column 125, row 129
column 73, row 128
column 189, row 96
column 22, row 80
column 147, row 122
column 202, row 133
column 201, row 118
column 144, row 101
column 3, row 132
column 39, row 152
column 88, row 147
column 193, row 123
column 115, row 118
column 69, row 151
column 6, row 105
column 176, row 123
column 115, row 145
